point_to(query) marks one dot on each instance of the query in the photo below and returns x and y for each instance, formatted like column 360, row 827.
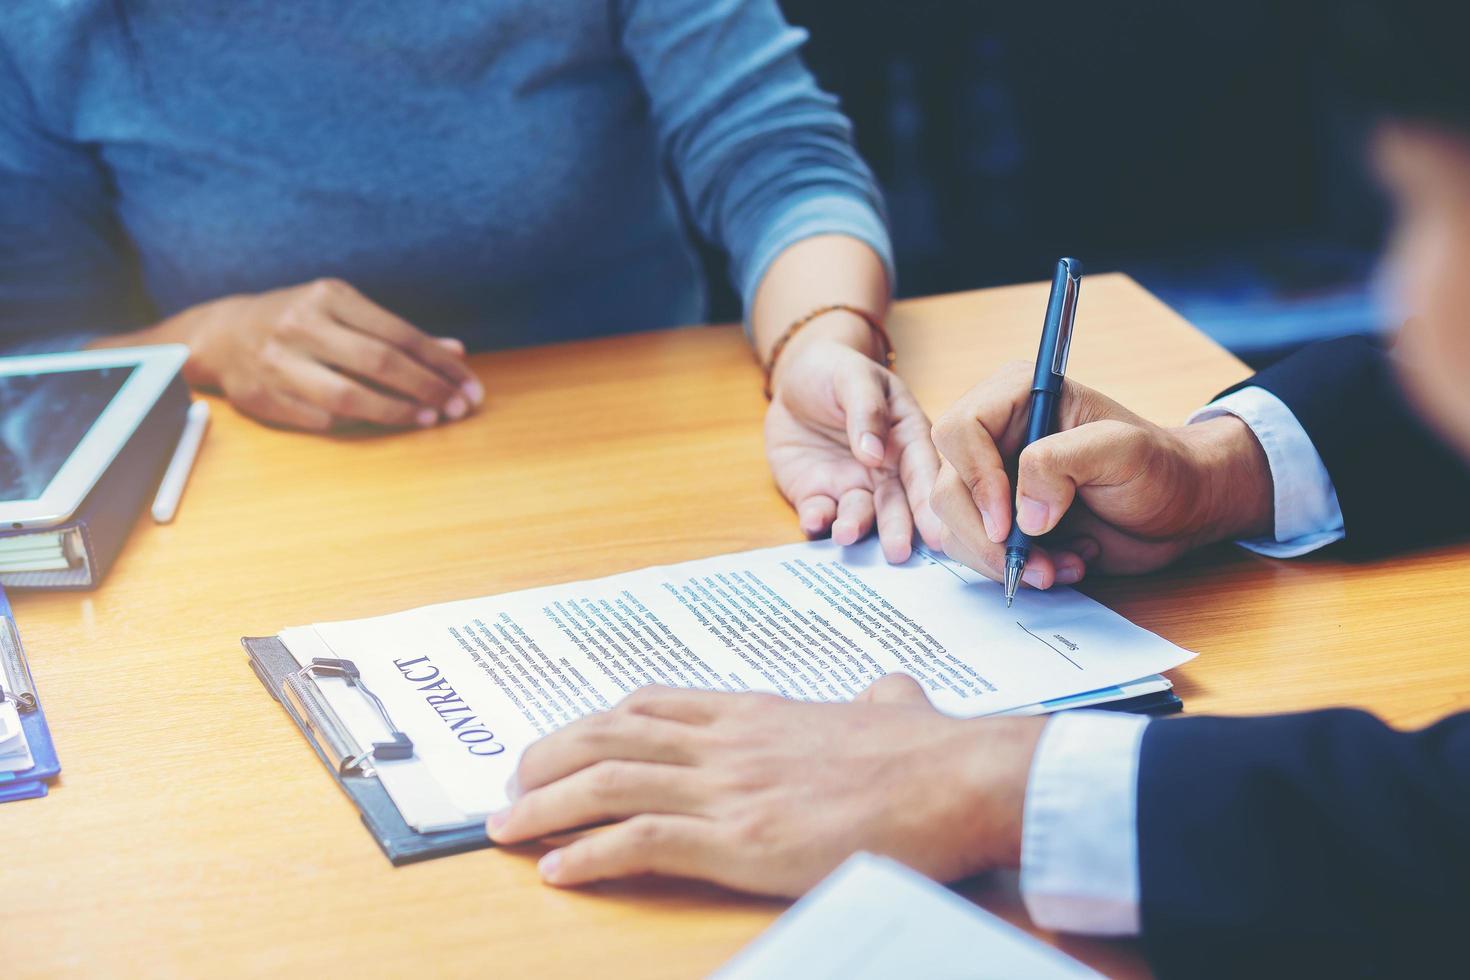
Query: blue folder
column 15, row 681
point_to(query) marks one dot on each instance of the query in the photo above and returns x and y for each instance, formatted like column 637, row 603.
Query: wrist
column 835, row 327
column 1235, row 479
column 190, row 327
column 998, row 757
column 202, row 328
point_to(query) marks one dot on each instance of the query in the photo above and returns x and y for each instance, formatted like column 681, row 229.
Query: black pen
column 1046, row 392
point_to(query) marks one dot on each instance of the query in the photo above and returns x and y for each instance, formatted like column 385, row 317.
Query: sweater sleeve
column 66, row 268
column 761, row 156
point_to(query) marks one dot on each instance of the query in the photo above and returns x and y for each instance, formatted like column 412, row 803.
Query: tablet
column 64, row 418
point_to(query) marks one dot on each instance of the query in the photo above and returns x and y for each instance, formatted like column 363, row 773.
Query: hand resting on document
column 762, row 794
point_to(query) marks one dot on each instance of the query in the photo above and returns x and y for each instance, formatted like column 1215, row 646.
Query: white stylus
column 166, row 503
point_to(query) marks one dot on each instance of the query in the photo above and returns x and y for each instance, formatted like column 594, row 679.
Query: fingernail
column 512, row 788
column 456, row 408
column 1031, row 515
column 1087, row 549
column 497, row 820
column 871, row 446
column 1032, row 577
column 426, row 417
column 1068, row 574
column 474, row 391
column 844, row 532
column 548, row 865
column 989, row 531
column 453, row 343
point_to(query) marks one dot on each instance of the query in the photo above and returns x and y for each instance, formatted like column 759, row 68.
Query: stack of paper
column 15, row 751
column 473, row 683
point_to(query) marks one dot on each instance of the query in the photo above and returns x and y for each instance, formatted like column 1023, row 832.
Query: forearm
column 816, row 272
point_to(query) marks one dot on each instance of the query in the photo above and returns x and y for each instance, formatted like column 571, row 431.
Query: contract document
column 474, row 682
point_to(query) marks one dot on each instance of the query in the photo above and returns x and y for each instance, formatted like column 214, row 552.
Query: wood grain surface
column 194, row 833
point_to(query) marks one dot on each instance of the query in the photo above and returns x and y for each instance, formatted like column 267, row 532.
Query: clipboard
column 17, row 686
column 348, row 760
column 351, row 762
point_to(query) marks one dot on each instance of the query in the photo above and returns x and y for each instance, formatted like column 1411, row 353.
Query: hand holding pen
column 1107, row 489
column 1046, row 391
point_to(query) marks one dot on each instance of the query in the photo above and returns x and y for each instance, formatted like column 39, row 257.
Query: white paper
column 474, row 682
column 15, row 750
column 875, row 918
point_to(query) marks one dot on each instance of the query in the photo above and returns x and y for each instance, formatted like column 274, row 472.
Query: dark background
column 1199, row 147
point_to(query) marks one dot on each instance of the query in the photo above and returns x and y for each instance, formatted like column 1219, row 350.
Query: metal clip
column 399, row 745
column 18, row 686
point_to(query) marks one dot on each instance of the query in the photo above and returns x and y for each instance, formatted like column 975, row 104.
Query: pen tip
column 1010, row 599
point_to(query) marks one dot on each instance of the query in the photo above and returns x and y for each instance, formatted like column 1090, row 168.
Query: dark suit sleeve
column 1398, row 485
column 1320, row 844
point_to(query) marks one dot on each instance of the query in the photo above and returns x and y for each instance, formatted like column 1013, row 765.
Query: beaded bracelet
column 889, row 357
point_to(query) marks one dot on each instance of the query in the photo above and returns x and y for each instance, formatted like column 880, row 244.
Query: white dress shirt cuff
column 1079, row 833
column 1308, row 516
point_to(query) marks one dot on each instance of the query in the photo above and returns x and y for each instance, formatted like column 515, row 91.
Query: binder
column 17, row 686
column 350, row 762
column 94, row 536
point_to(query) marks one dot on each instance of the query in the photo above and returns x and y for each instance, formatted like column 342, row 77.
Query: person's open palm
column 849, row 447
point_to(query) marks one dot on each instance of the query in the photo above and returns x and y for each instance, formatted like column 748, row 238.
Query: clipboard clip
column 398, row 746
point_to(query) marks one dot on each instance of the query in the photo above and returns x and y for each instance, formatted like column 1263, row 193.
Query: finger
column 360, row 313
column 863, row 397
column 958, row 515
column 1104, row 548
column 383, row 364
column 1050, row 471
column 989, row 560
column 918, row 465
column 1086, row 548
column 279, row 408
column 347, row 399
column 895, row 522
column 975, row 432
column 894, row 689
column 816, row 514
column 1069, row 568
column 611, row 790
column 931, row 529
column 689, row 847
column 599, row 738
column 854, row 517
column 684, row 704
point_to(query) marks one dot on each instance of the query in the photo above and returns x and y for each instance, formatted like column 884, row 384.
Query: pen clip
column 1067, row 317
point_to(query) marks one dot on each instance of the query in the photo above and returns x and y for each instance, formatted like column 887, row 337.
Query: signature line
column 1054, row 649
column 927, row 554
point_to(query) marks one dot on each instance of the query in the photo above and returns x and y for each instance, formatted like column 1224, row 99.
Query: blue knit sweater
column 504, row 171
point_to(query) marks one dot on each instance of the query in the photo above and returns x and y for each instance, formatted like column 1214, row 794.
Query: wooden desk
column 194, row 833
